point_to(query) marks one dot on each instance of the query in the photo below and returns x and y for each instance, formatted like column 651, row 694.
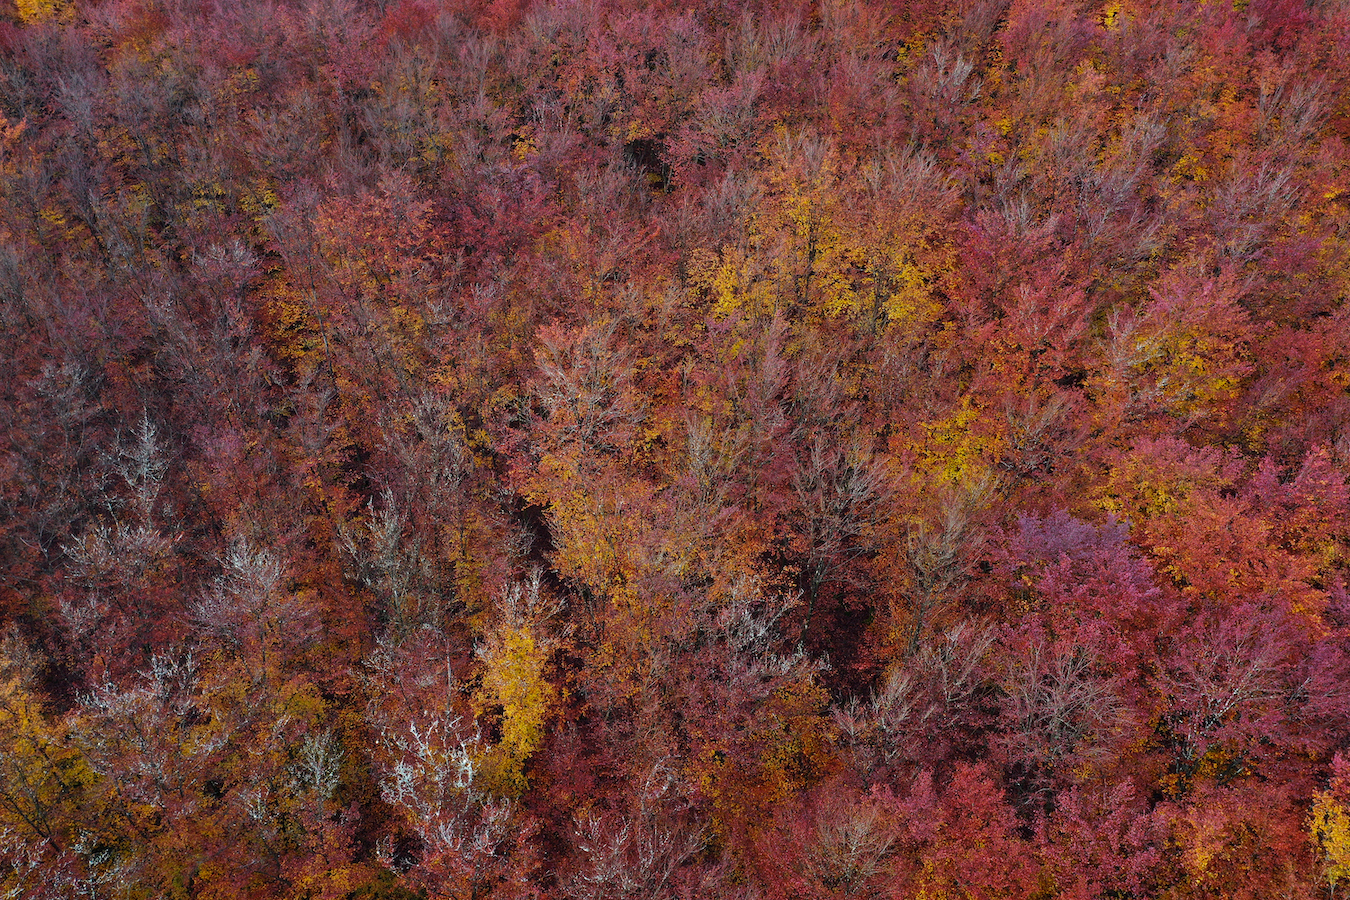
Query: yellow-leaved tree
column 43, row 783
column 35, row 12
column 1330, row 825
column 515, row 653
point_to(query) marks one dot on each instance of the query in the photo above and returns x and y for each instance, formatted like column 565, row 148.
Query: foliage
column 536, row 448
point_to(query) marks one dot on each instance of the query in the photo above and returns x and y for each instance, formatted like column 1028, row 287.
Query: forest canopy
column 591, row 449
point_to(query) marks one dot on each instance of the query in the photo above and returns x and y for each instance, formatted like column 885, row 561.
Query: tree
column 927, row 707
column 1330, row 826
column 514, row 655
column 650, row 850
column 962, row 839
column 43, row 785
column 453, row 834
column 937, row 552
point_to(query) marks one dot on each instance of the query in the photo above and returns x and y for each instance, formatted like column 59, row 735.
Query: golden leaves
column 1330, row 826
column 36, row 12
column 514, row 680
column 735, row 282
column 514, row 685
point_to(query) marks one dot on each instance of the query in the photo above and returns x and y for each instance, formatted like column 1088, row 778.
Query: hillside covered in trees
column 601, row 450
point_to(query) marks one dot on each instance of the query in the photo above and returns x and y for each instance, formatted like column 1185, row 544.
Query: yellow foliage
column 732, row 282
column 10, row 132
column 292, row 327
column 1188, row 359
column 786, row 748
column 259, row 201
column 1190, row 168
column 523, row 146
column 593, row 536
column 209, row 196
column 1330, row 827
column 955, row 449
column 909, row 305
column 514, row 680
column 1206, row 841
column 35, row 12
column 57, row 224
column 810, row 246
column 1136, row 492
column 823, row 267
column 39, row 777
column 336, row 882
column 929, row 886
column 1138, row 488
column 798, row 742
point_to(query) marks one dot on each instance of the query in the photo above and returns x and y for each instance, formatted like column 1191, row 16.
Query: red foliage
column 925, row 424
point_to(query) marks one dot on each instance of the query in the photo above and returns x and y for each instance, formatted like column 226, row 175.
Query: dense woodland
column 591, row 449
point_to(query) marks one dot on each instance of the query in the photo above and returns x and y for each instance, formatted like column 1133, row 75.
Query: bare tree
column 849, row 850
column 938, row 554
column 1060, row 712
column 639, row 853
column 841, row 493
column 923, row 697
column 587, row 385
